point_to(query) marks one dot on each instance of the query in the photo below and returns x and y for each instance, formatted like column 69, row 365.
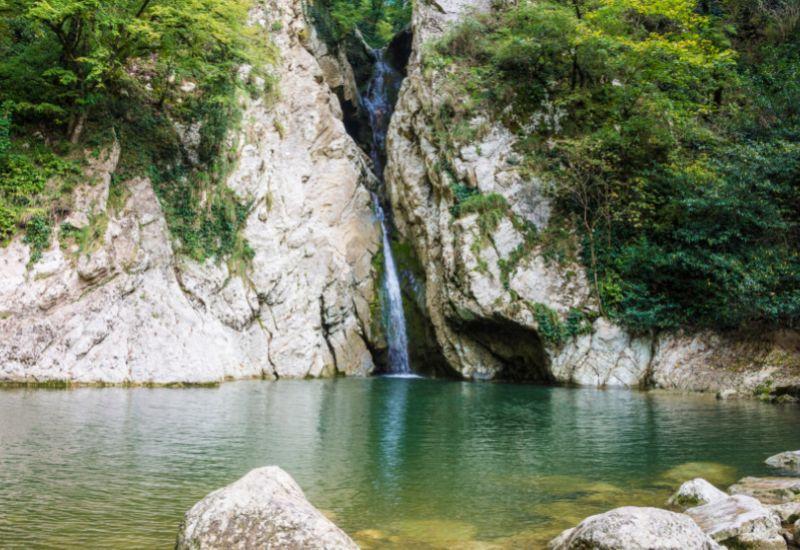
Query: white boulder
column 633, row 528
column 696, row 493
column 740, row 521
column 264, row 509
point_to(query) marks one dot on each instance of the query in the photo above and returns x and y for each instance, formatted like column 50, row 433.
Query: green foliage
column 38, row 232
column 35, row 184
column 5, row 134
column 491, row 209
column 130, row 71
column 87, row 238
column 672, row 131
column 377, row 20
column 61, row 58
column 462, row 193
column 556, row 332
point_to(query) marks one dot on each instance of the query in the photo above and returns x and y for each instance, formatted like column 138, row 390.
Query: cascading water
column 377, row 102
column 395, row 318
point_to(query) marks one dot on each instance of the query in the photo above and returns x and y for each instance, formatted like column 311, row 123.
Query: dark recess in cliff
column 521, row 350
column 399, row 50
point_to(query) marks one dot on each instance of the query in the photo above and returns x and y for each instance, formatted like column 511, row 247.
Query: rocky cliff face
column 500, row 304
column 130, row 311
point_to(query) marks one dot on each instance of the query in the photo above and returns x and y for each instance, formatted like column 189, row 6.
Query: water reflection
column 396, row 462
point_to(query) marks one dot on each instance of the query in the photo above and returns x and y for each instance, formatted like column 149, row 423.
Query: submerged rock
column 790, row 460
column 264, row 509
column 769, row 490
column 695, row 493
column 633, row 528
column 740, row 521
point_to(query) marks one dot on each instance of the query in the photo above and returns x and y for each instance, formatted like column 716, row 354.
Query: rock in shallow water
column 264, row 509
column 790, row 460
column 789, row 512
column 769, row 490
column 634, row 528
column 740, row 521
column 695, row 493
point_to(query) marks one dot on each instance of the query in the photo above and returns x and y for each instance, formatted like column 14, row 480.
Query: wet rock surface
column 769, row 490
column 790, row 461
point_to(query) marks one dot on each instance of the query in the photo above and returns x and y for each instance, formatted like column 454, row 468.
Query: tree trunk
column 76, row 127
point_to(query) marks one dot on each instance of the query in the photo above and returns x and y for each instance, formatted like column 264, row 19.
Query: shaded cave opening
column 519, row 349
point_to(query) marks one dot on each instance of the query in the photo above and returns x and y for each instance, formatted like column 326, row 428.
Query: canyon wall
column 130, row 310
column 501, row 305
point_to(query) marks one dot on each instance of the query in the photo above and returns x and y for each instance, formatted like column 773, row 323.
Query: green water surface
column 396, row 463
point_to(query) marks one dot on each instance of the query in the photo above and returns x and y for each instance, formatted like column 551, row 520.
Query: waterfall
column 378, row 104
column 395, row 319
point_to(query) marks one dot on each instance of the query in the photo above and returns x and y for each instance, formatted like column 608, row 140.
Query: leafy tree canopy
column 670, row 129
column 58, row 58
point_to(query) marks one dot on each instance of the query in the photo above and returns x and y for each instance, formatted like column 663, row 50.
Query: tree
column 79, row 51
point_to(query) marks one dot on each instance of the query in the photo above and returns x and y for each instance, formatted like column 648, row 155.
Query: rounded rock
column 790, row 460
column 264, row 509
column 634, row 528
column 696, row 493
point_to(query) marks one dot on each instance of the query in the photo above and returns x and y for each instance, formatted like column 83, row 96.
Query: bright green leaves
column 84, row 50
column 671, row 136
column 142, row 67
column 377, row 20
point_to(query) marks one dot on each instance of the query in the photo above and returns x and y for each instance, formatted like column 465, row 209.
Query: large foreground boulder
column 790, row 460
column 264, row 509
column 633, row 528
column 740, row 522
column 769, row 490
column 696, row 493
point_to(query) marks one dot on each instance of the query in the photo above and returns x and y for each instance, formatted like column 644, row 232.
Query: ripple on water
column 396, row 462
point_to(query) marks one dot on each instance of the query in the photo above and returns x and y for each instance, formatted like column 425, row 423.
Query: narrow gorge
column 460, row 273
column 486, row 296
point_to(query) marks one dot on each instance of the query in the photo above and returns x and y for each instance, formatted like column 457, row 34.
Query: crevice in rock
column 398, row 51
column 326, row 332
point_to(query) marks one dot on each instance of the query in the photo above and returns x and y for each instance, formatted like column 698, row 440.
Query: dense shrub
column 131, row 71
column 670, row 129
column 377, row 20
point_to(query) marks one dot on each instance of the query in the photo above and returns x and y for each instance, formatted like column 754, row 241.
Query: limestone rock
column 790, row 460
column 633, row 528
column 727, row 364
column 695, row 493
column 769, row 490
column 486, row 292
column 740, row 522
column 789, row 512
column 130, row 311
column 264, row 509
